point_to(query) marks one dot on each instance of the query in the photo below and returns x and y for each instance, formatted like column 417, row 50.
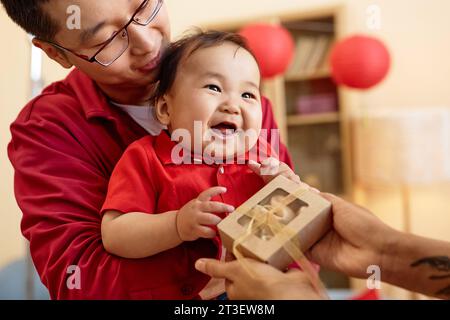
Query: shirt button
column 186, row 290
column 222, row 170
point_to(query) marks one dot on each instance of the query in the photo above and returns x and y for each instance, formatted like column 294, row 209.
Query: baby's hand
column 271, row 168
column 193, row 219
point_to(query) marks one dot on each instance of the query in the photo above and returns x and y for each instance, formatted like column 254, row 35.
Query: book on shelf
column 318, row 54
column 325, row 64
column 310, row 54
column 303, row 49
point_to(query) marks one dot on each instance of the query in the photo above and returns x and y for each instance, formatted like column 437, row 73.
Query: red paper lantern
column 360, row 62
column 272, row 46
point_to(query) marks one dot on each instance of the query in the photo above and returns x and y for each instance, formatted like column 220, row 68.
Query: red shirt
column 65, row 144
column 147, row 180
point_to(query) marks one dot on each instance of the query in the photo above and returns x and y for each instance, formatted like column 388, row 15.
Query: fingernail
column 200, row 265
column 231, row 208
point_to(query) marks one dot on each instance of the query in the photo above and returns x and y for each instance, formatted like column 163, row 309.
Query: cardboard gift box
column 302, row 214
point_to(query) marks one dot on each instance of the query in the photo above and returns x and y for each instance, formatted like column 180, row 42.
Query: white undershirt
column 145, row 117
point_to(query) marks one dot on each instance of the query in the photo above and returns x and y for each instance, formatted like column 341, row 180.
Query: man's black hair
column 31, row 16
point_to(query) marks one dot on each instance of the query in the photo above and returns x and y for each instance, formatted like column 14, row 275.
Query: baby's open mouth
column 225, row 128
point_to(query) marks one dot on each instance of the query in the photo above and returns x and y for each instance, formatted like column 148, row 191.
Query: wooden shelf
column 299, row 120
column 319, row 143
column 319, row 74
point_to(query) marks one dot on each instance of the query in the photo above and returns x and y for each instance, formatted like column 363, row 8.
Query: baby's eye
column 213, row 87
column 248, row 95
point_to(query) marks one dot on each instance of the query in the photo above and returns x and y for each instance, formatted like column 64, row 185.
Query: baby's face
column 218, row 87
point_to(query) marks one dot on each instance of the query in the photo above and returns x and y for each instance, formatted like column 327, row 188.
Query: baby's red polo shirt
column 147, row 180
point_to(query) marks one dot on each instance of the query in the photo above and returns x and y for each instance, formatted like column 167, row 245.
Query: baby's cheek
column 253, row 119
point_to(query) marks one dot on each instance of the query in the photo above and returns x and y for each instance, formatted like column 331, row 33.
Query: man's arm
column 418, row 264
column 60, row 188
column 357, row 240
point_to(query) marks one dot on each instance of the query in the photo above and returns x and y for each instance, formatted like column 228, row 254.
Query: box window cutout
column 284, row 215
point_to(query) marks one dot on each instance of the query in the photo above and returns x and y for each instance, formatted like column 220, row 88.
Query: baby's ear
column 162, row 110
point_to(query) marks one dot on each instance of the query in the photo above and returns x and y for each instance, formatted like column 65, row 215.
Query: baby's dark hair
column 186, row 47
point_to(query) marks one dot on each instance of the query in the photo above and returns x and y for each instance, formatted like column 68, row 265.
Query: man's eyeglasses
column 115, row 46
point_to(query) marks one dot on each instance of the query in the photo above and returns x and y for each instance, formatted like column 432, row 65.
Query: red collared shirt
column 147, row 180
column 65, row 144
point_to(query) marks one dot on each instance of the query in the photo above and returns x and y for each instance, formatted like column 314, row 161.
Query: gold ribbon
column 265, row 217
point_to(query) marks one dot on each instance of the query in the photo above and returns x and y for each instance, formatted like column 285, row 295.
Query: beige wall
column 416, row 31
column 14, row 88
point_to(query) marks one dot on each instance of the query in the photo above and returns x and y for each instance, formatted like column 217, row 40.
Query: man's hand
column 266, row 283
column 356, row 240
column 194, row 217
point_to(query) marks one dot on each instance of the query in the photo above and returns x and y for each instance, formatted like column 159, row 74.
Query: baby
column 166, row 210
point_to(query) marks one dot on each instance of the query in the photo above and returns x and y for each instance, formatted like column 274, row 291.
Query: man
column 66, row 142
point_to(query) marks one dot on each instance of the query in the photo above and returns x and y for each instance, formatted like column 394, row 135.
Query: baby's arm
column 139, row 235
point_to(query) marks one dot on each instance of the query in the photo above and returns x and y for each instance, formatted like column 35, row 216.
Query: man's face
column 219, row 88
column 100, row 19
